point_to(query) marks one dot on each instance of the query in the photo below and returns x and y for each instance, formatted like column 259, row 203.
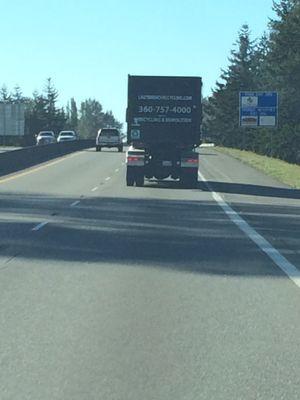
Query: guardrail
column 17, row 160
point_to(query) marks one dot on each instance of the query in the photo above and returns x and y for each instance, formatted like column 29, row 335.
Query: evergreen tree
column 284, row 59
column 55, row 119
column 17, row 94
column 51, row 95
column 271, row 64
column 4, row 95
column 261, row 73
column 222, row 110
column 35, row 114
column 73, row 117
column 283, row 68
column 91, row 118
column 42, row 113
column 110, row 121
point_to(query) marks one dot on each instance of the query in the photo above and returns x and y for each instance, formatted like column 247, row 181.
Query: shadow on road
column 93, row 150
column 252, row 190
column 188, row 236
column 233, row 188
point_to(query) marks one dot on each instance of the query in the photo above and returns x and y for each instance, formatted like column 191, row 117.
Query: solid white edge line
column 39, row 226
column 288, row 268
column 75, row 203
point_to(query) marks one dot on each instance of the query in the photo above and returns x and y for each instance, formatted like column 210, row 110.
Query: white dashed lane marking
column 39, row 226
column 94, row 189
column 75, row 203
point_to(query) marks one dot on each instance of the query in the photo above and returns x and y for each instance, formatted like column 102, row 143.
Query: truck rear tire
column 120, row 149
column 130, row 179
column 189, row 180
column 140, row 180
column 194, row 182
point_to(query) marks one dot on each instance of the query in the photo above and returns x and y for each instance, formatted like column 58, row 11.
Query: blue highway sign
column 258, row 109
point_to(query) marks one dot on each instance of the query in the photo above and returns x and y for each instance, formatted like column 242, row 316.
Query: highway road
column 109, row 292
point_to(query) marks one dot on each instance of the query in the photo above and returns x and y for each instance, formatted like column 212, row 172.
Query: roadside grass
column 280, row 170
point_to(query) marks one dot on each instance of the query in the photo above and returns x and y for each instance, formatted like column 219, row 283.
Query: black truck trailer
column 164, row 115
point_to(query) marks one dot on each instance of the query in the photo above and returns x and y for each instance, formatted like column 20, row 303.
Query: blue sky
column 89, row 47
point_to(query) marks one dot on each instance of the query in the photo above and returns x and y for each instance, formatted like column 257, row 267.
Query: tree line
column 43, row 113
column 269, row 63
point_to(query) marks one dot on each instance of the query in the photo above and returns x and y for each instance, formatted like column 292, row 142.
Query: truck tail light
column 133, row 158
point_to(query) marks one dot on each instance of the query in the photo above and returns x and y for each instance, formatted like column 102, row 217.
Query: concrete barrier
column 17, row 160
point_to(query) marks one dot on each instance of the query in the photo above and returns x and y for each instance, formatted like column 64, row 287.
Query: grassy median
column 280, row 170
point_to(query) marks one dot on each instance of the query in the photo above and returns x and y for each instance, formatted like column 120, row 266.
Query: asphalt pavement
column 110, row 292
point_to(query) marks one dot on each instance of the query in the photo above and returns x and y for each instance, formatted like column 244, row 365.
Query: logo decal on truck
column 135, row 134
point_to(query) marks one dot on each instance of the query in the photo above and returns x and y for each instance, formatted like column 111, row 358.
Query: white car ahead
column 45, row 137
column 67, row 136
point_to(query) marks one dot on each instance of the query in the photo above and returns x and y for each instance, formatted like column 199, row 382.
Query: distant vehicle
column 67, row 136
column 45, row 137
column 163, row 118
column 109, row 137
